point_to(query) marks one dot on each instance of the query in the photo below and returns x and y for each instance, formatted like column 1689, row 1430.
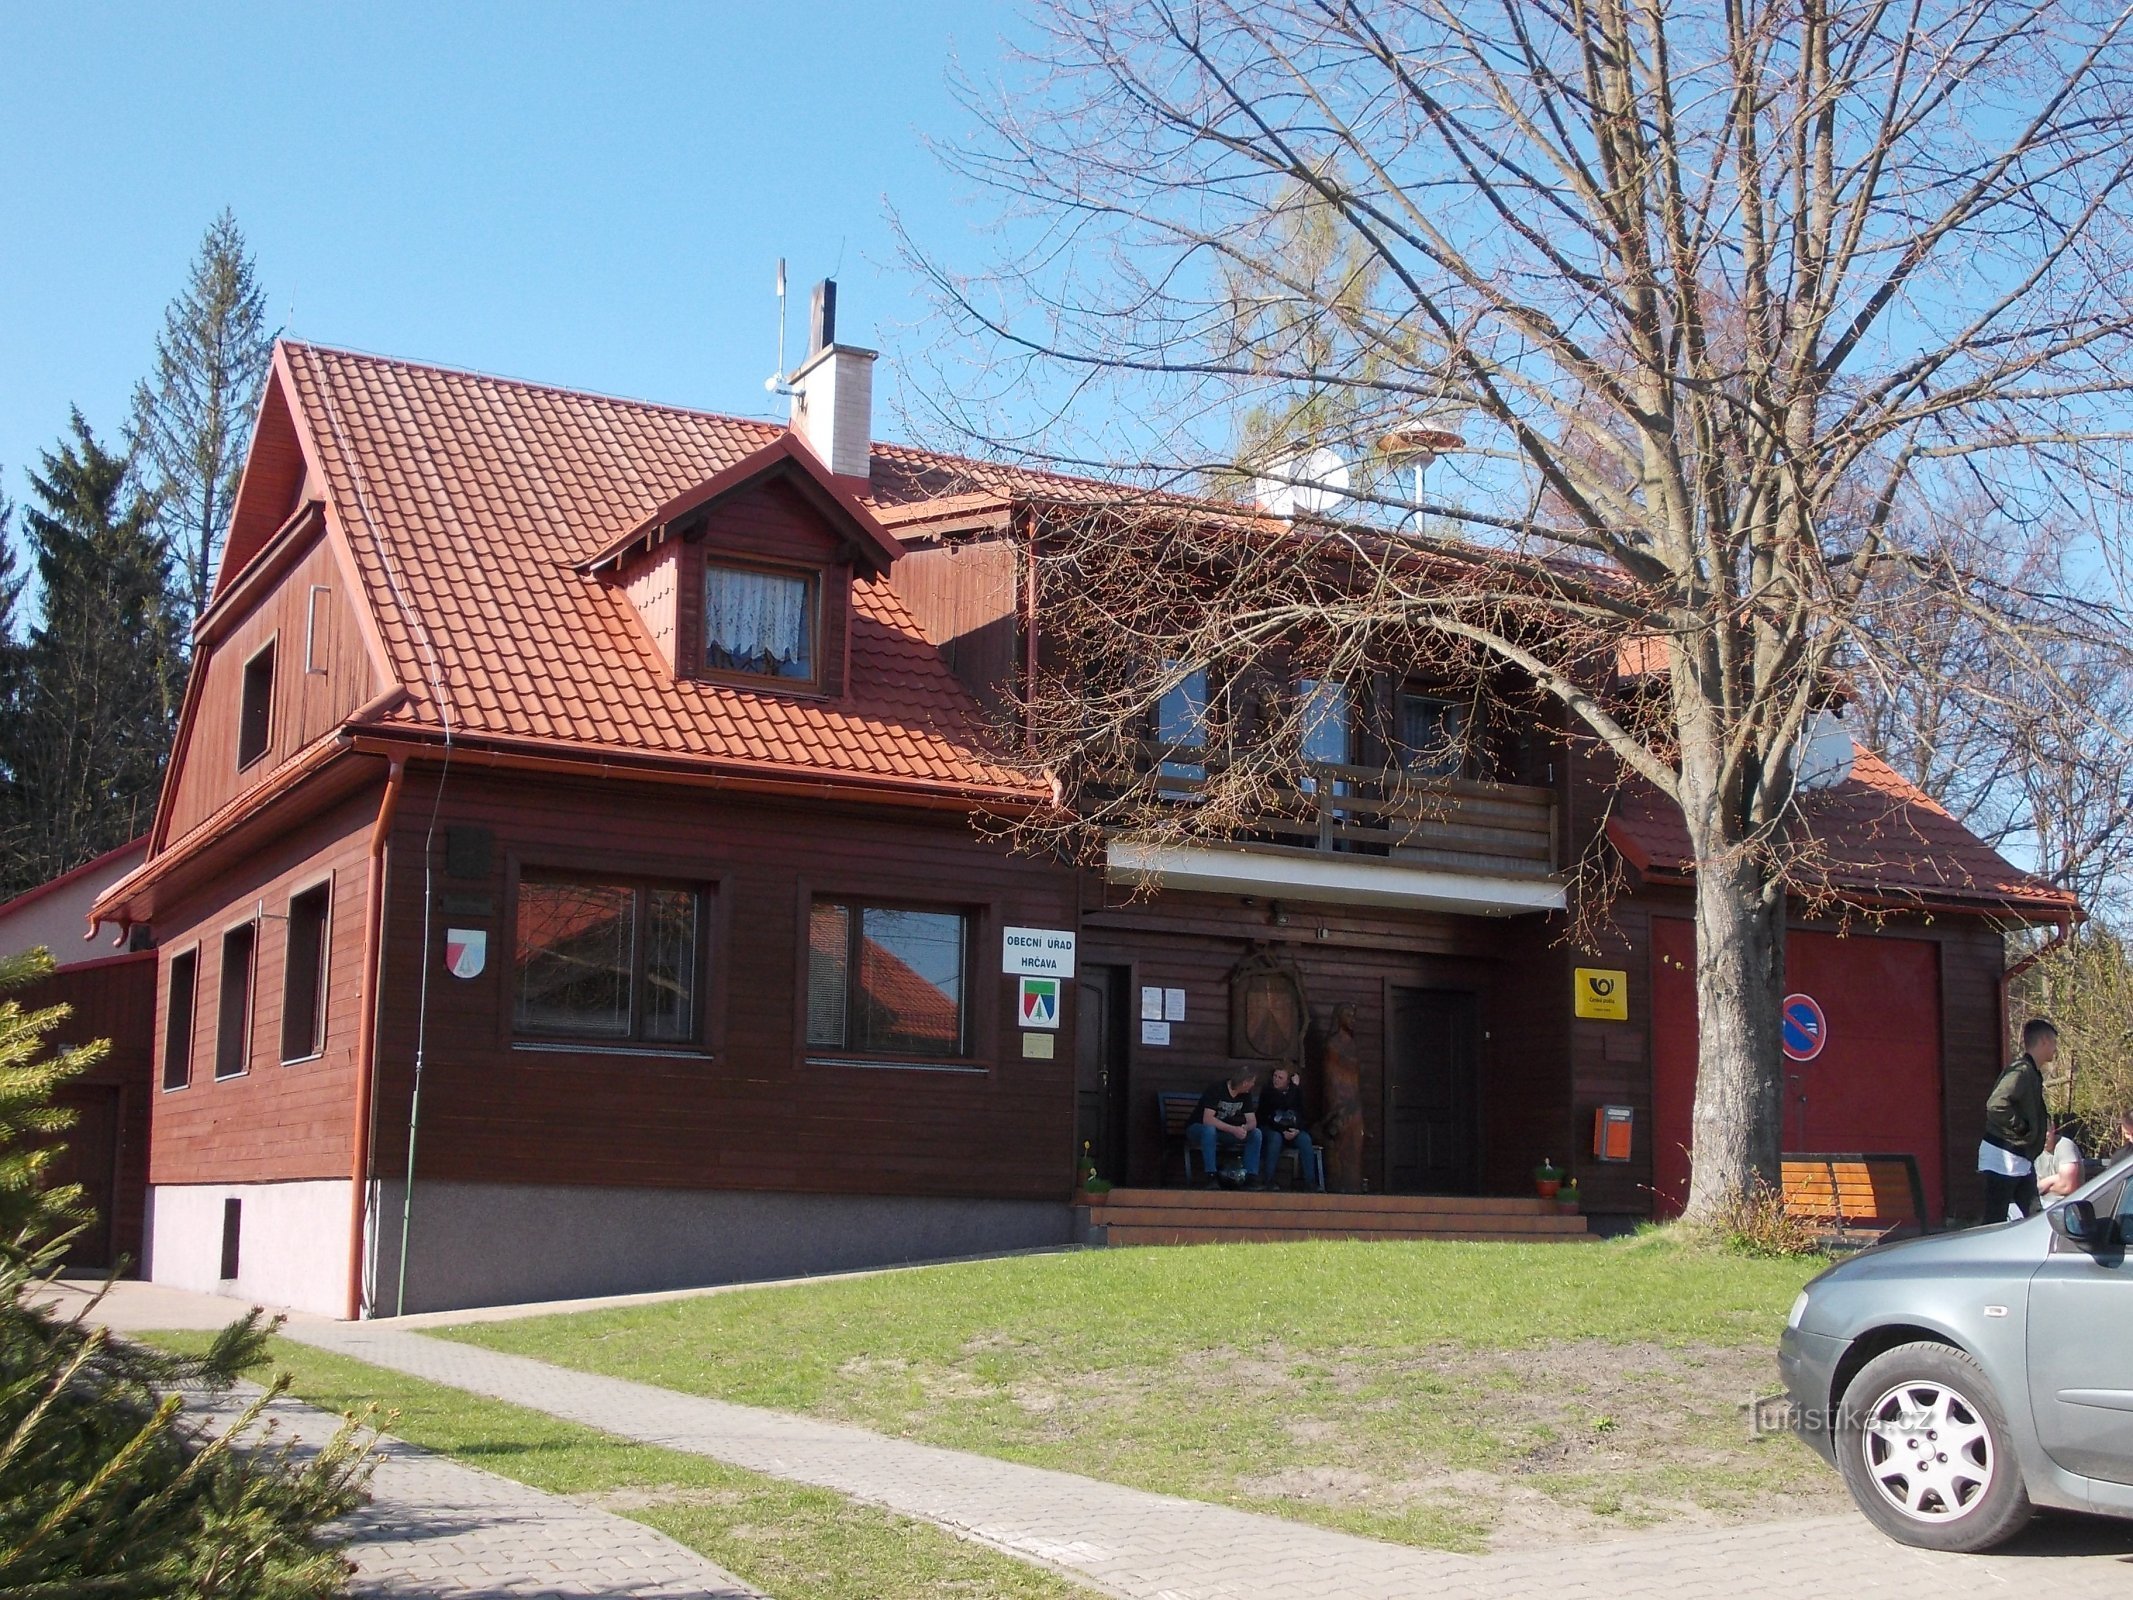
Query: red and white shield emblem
column 466, row 951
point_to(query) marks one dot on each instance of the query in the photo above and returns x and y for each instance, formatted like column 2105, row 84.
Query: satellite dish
column 1307, row 485
column 1825, row 752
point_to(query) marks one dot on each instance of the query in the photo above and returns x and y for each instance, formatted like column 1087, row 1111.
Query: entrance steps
column 1216, row 1216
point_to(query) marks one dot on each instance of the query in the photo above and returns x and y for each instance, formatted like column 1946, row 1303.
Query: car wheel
column 1925, row 1450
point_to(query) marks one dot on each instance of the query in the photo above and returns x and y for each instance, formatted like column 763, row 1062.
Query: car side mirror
column 2075, row 1222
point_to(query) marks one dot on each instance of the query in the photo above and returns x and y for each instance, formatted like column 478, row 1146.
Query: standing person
column 1281, row 1127
column 2059, row 1169
column 1225, row 1130
column 2015, row 1126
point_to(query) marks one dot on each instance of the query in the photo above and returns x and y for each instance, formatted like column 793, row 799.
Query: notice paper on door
column 1151, row 1004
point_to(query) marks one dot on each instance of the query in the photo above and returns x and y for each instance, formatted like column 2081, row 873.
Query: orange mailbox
column 1611, row 1132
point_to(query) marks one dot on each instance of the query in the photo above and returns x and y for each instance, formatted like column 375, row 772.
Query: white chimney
column 833, row 392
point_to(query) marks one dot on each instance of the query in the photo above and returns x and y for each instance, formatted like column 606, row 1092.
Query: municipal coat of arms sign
column 466, row 951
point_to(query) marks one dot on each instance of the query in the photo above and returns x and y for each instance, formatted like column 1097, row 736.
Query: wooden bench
column 1876, row 1193
column 1176, row 1112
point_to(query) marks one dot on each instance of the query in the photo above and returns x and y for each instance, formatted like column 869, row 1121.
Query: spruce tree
column 192, row 420
column 102, row 677
column 11, row 685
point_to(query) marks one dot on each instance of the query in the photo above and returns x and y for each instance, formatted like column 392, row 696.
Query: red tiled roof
column 469, row 501
column 1874, row 836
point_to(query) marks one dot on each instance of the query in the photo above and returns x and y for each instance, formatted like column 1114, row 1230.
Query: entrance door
column 1431, row 1062
column 90, row 1158
column 1100, row 1069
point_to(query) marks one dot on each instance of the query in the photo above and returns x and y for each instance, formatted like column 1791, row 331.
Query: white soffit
column 1342, row 880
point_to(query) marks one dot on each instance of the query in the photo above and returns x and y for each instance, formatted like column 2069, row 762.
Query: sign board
column 1154, row 1032
column 1602, row 994
column 1040, row 952
column 1037, row 1046
column 1038, row 1005
column 1806, row 1029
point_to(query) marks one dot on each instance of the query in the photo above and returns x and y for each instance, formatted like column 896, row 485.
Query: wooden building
column 110, row 995
column 578, row 873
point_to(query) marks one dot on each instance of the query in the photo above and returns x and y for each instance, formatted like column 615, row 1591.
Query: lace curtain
column 757, row 622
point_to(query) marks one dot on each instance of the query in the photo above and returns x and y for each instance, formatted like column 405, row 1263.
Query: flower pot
column 1546, row 1187
column 1568, row 1207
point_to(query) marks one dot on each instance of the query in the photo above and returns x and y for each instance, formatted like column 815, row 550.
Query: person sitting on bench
column 1225, row 1132
column 1281, row 1127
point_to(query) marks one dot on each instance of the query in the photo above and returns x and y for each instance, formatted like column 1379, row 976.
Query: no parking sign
column 1806, row 1029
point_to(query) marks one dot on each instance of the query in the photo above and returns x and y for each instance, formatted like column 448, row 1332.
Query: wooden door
column 90, row 1158
column 1100, row 1069
column 1431, row 1062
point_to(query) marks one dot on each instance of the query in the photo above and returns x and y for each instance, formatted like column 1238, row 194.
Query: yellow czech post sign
column 1602, row 994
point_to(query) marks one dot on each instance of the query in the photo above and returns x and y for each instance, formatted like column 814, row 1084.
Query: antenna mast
column 775, row 383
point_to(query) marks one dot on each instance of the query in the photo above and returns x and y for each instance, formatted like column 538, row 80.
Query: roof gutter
column 768, row 778
column 366, row 1063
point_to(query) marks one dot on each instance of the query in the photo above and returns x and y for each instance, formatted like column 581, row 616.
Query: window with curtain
column 615, row 961
column 886, row 979
column 759, row 623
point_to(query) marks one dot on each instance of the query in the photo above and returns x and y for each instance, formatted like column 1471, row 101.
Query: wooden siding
column 746, row 1108
column 311, row 698
column 653, row 586
column 964, row 597
column 278, row 1121
column 113, row 999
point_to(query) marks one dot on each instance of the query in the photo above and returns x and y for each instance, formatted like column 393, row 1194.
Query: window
column 303, row 978
column 233, row 1012
column 255, row 718
column 1181, row 721
column 761, row 624
column 1432, row 736
column 178, row 1021
column 885, row 979
column 615, row 961
column 1326, row 721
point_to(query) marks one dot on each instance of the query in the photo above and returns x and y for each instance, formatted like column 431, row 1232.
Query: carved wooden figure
column 1340, row 1080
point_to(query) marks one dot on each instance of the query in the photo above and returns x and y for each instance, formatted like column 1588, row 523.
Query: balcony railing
column 1458, row 824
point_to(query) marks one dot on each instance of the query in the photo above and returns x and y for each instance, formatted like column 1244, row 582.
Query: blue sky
column 590, row 195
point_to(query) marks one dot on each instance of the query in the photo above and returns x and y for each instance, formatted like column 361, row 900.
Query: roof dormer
column 746, row 578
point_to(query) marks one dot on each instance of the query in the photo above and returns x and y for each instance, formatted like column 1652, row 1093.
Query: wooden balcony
column 1500, row 839
column 1503, row 829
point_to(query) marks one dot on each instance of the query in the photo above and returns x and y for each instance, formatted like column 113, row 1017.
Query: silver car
column 1962, row 1381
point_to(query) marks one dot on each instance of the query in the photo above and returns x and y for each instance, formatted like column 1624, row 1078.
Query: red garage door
column 1875, row 1086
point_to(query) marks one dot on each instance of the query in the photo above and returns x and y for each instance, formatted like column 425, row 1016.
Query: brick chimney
column 833, row 392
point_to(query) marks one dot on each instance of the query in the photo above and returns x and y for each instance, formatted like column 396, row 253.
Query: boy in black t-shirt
column 1225, row 1131
column 1281, row 1127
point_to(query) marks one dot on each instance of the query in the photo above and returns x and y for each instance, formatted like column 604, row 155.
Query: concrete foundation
column 478, row 1244
column 291, row 1239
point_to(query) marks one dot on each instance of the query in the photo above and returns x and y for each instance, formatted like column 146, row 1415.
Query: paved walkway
column 435, row 1528
column 1156, row 1547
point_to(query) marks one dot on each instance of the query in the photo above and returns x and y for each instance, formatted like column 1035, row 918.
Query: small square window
column 886, row 980
column 255, row 717
column 759, row 624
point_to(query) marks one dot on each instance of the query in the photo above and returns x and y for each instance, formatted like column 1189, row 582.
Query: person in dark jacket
column 1281, row 1127
column 2016, row 1126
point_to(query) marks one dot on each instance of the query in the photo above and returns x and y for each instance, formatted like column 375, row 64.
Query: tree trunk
column 1736, row 1128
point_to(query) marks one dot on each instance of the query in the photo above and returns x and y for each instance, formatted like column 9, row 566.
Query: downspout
column 1029, row 636
column 367, row 1032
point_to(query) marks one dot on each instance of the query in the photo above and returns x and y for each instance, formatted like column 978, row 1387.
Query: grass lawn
column 1463, row 1396
column 788, row 1540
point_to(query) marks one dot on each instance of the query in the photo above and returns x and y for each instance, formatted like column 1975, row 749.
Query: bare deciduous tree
column 1717, row 299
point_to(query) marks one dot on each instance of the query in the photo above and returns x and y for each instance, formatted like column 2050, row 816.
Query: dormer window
column 760, row 623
